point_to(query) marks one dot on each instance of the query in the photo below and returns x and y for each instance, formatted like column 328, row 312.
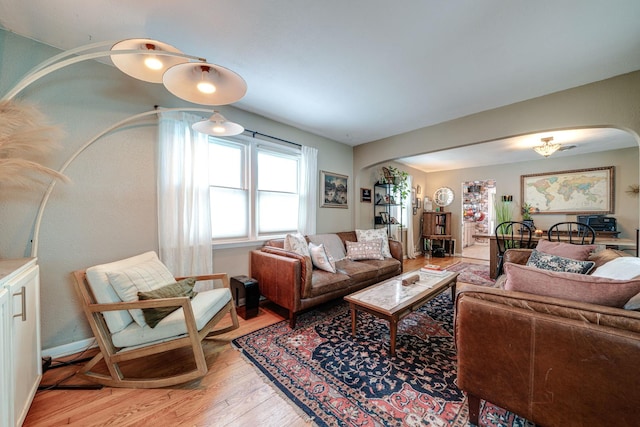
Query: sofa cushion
column 182, row 288
column 296, row 243
column 323, row 282
column 384, row 266
column 571, row 286
column 517, row 256
column 621, row 268
column 604, row 256
column 321, row 259
column 371, row 249
column 558, row 263
column 332, row 244
column 357, row 270
column 375, row 234
column 567, row 250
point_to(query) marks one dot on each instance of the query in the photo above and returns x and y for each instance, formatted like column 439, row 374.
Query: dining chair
column 511, row 235
column 576, row 233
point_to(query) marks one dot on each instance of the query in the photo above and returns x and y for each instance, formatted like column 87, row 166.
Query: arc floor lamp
column 188, row 77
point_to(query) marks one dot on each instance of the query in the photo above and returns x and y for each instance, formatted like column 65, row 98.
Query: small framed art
column 334, row 190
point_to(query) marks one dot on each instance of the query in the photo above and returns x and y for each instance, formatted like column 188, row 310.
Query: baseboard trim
column 69, row 349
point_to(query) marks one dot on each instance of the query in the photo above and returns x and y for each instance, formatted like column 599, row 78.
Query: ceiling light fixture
column 218, row 125
column 547, row 148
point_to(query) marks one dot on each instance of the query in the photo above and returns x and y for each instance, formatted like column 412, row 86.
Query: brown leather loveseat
column 552, row 361
column 290, row 280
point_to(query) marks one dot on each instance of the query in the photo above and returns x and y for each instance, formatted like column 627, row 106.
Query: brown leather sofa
column 290, row 280
column 552, row 361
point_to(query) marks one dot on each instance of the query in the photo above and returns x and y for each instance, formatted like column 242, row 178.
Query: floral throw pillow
column 296, row 243
column 557, row 263
column 370, row 249
column 321, row 259
column 375, row 234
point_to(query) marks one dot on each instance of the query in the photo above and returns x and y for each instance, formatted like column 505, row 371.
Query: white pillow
column 321, row 259
column 296, row 243
column 622, row 268
column 375, row 234
column 144, row 277
column 332, row 244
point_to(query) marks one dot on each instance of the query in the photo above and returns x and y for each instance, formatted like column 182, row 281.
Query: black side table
column 247, row 287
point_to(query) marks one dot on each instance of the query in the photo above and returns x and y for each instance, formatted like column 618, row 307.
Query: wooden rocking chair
column 120, row 336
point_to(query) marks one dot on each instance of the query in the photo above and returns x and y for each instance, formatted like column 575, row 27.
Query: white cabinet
column 5, row 340
column 21, row 369
column 469, row 231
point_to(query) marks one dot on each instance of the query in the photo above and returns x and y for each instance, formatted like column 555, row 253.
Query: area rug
column 337, row 380
column 476, row 274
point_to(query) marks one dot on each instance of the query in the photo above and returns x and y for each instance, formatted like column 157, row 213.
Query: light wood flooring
column 232, row 393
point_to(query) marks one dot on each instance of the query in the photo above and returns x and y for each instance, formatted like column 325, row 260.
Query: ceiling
column 520, row 149
column 361, row 70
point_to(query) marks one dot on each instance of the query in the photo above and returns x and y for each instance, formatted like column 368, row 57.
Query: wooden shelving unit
column 437, row 226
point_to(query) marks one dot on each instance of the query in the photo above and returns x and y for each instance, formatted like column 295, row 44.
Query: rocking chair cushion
column 105, row 293
column 182, row 288
column 205, row 305
column 143, row 277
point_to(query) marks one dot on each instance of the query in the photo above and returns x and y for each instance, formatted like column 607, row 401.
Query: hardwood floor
column 232, row 393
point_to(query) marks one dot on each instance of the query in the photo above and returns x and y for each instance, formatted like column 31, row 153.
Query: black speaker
column 247, row 287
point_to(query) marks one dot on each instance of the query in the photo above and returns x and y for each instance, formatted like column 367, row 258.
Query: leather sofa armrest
column 517, row 256
column 281, row 273
column 395, row 247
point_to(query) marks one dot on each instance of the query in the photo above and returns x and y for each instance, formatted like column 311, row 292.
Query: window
column 254, row 188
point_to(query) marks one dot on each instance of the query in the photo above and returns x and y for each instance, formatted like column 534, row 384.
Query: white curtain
column 408, row 207
column 184, row 209
column 308, row 191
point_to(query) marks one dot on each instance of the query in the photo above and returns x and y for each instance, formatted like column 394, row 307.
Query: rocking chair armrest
column 224, row 277
column 130, row 305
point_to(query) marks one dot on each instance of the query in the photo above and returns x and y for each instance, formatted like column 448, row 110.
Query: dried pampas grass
column 25, row 137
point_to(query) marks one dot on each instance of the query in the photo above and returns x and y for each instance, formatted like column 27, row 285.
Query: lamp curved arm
column 52, row 184
column 55, row 63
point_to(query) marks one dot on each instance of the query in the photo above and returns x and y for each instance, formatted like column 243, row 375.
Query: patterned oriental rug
column 340, row 381
column 476, row 274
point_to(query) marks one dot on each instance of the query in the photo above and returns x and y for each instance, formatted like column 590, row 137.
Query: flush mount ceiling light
column 150, row 66
column 204, row 83
column 218, row 125
column 547, row 148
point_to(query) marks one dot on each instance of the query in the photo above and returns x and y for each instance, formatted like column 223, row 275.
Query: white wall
column 109, row 210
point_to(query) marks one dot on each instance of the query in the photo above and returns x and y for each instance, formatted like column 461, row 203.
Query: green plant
column 504, row 211
column 527, row 209
column 400, row 182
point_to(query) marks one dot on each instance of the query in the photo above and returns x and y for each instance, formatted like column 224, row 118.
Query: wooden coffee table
column 391, row 300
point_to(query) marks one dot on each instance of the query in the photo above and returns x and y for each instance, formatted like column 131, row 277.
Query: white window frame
column 252, row 146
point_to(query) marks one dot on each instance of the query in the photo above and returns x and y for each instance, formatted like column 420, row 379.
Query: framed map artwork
column 582, row 191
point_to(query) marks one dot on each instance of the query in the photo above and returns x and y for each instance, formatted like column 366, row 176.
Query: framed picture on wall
column 334, row 190
column 365, row 195
column 580, row 191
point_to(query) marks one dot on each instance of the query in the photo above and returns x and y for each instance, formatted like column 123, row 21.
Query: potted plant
column 527, row 209
column 399, row 179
